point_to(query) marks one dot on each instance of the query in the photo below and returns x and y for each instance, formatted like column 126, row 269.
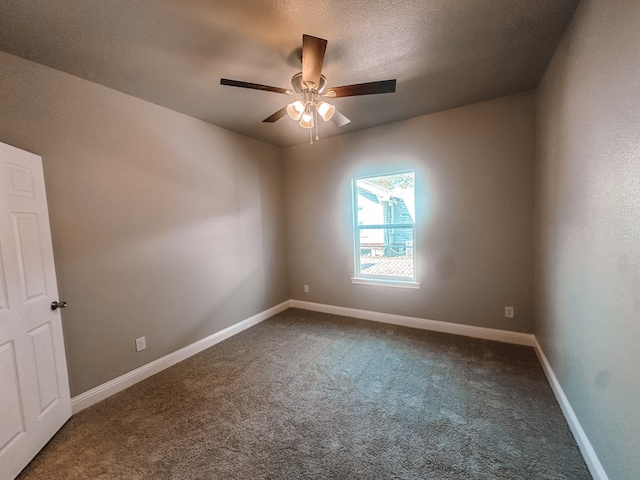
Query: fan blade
column 276, row 116
column 339, row 119
column 371, row 88
column 313, row 49
column 254, row 86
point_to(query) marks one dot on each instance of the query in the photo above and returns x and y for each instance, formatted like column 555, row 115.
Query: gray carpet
column 305, row 395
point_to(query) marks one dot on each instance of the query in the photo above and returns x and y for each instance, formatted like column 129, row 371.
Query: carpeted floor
column 306, row 395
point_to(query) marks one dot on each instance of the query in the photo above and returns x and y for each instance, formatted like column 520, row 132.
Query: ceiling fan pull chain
column 311, row 136
column 315, row 114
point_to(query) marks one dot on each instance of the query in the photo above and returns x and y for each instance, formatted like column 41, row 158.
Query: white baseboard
column 101, row 392
column 588, row 453
column 504, row 336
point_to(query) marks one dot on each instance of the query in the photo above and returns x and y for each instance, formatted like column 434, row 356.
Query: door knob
column 56, row 305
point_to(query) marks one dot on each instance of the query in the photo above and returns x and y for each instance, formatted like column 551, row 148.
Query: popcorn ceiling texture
column 306, row 395
column 444, row 53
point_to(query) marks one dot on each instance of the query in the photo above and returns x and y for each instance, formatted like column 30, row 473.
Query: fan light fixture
column 310, row 86
column 309, row 105
column 304, row 111
column 307, row 118
column 295, row 109
column 299, row 111
column 326, row 110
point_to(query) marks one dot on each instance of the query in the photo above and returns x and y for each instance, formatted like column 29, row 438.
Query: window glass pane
column 386, row 200
column 386, row 252
column 384, row 226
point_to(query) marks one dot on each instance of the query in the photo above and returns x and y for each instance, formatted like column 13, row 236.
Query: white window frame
column 373, row 279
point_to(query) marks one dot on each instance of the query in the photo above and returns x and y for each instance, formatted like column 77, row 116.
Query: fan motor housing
column 299, row 87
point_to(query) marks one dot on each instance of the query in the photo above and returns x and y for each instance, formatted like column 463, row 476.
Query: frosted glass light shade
column 295, row 109
column 306, row 121
column 326, row 110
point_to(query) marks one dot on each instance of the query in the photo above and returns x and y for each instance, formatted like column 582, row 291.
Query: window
column 384, row 229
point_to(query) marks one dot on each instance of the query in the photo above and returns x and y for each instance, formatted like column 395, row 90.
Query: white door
column 34, row 387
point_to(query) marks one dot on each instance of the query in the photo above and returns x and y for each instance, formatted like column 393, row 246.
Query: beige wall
column 588, row 226
column 162, row 225
column 474, row 185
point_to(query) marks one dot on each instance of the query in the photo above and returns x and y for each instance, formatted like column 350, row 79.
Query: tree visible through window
column 384, row 227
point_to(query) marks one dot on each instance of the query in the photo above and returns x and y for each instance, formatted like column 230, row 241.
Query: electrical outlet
column 509, row 312
column 306, row 289
column 141, row 344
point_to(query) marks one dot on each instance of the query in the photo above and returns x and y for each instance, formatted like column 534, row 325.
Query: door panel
column 34, row 398
column 21, row 180
column 4, row 305
column 45, row 362
column 29, row 255
column 12, row 420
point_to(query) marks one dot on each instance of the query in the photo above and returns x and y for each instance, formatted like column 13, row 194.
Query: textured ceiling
column 443, row 53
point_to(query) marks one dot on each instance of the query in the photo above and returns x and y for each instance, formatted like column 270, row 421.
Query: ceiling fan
column 310, row 86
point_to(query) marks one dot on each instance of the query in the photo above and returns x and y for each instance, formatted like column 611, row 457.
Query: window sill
column 386, row 282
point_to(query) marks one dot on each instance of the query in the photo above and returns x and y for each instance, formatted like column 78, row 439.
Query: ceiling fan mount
column 310, row 85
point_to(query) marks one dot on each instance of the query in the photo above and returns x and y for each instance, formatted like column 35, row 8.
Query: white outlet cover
column 141, row 344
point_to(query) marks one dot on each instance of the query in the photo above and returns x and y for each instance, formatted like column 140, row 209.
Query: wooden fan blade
column 313, row 49
column 339, row 119
column 276, row 116
column 254, row 86
column 371, row 88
